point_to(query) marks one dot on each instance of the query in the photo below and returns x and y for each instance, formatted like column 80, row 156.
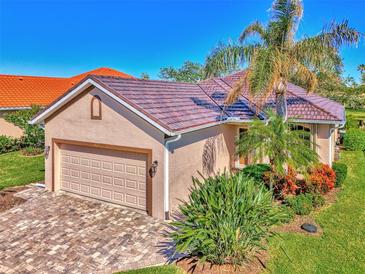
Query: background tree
column 276, row 140
column 145, row 76
column 343, row 90
column 276, row 56
column 189, row 72
column 361, row 68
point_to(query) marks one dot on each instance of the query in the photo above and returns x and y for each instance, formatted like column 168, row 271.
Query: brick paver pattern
column 57, row 233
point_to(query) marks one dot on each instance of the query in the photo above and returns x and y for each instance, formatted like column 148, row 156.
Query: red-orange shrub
column 322, row 178
column 290, row 184
column 287, row 185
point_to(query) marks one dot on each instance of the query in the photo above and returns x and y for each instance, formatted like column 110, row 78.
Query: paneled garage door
column 109, row 175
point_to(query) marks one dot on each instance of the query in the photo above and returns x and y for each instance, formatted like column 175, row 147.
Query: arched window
column 96, row 108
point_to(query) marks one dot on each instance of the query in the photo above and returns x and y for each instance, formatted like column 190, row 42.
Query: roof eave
column 79, row 89
column 13, row 108
column 325, row 122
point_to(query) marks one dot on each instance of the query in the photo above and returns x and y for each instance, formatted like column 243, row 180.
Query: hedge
column 354, row 139
column 341, row 173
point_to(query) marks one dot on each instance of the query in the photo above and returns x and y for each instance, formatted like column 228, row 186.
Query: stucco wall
column 323, row 143
column 206, row 151
column 118, row 127
column 9, row 129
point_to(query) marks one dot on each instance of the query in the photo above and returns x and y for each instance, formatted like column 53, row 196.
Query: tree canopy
column 274, row 55
column 189, row 72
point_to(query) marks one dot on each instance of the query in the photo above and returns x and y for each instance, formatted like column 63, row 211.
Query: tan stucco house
column 137, row 143
column 20, row 92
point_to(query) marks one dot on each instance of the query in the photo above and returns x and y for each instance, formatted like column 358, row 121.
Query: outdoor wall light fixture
column 46, row 151
column 153, row 168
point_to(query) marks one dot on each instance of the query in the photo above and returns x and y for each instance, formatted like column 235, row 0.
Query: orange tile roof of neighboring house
column 23, row 91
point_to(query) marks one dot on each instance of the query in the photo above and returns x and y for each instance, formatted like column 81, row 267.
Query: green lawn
column 168, row 269
column 16, row 169
column 341, row 249
column 356, row 113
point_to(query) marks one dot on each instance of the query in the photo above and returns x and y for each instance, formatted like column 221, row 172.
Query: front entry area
column 114, row 176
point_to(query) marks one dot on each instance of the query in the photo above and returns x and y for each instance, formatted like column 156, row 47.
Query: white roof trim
column 14, row 108
column 82, row 87
column 200, row 127
column 329, row 122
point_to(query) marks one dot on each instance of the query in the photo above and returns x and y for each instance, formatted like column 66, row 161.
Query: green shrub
column 301, row 204
column 354, row 139
column 341, row 173
column 351, row 122
column 256, row 171
column 8, row 144
column 32, row 151
column 317, row 200
column 288, row 213
column 226, row 219
column 33, row 134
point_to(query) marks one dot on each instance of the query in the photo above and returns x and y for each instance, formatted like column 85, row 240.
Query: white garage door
column 109, row 175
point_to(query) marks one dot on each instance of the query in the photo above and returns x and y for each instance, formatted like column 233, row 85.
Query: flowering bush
column 322, row 178
column 288, row 184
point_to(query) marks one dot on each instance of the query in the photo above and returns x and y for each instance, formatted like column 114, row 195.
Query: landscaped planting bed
column 8, row 199
column 340, row 249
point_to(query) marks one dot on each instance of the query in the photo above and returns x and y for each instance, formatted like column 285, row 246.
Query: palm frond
column 276, row 140
column 317, row 55
column 226, row 58
column 236, row 91
column 307, row 77
column 286, row 15
column 336, row 35
column 264, row 72
column 255, row 28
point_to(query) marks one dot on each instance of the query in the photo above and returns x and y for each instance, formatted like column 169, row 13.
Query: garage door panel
column 139, row 172
column 114, row 176
column 107, row 186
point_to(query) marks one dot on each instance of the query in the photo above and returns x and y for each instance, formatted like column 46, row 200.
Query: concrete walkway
column 57, row 233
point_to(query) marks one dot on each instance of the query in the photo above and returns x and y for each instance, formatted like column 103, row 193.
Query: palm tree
column 277, row 140
column 361, row 68
column 277, row 55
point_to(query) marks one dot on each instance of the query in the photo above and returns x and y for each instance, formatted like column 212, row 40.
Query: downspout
column 166, row 184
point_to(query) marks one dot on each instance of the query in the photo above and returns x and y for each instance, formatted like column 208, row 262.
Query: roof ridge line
column 214, row 101
column 316, row 106
column 33, row 76
column 144, row 80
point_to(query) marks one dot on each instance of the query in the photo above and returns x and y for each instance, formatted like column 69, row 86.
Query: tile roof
column 24, row 91
column 173, row 105
column 301, row 104
column 179, row 107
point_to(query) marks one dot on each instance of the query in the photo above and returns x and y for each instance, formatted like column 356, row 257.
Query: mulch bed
column 7, row 198
column 255, row 266
column 295, row 225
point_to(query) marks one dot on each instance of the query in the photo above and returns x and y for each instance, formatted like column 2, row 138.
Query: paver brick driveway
column 57, row 233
